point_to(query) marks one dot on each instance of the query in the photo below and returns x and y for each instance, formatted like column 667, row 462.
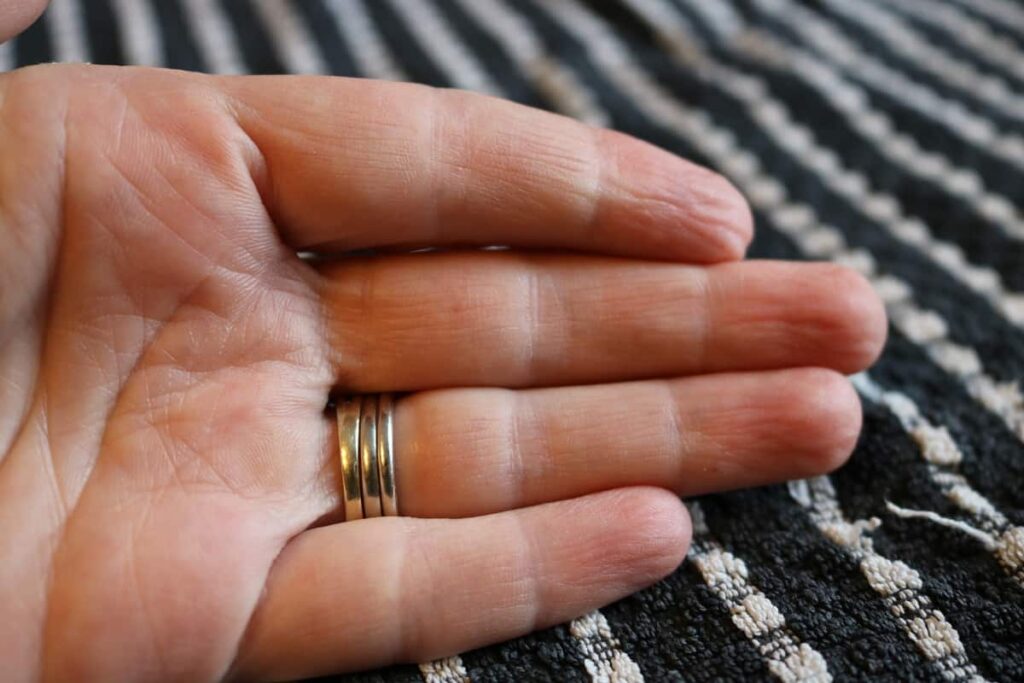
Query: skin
column 168, row 479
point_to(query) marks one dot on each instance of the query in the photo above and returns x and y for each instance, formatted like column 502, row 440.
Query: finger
column 363, row 594
column 352, row 164
column 466, row 452
column 503, row 319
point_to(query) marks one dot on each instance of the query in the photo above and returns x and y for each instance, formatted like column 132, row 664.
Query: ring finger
column 467, row 452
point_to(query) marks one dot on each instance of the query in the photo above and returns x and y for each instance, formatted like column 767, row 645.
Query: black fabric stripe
column 548, row 655
column 35, row 44
column 179, row 45
column 254, row 42
column 491, row 54
column 403, row 45
column 394, row 674
column 321, row 24
column 103, row 33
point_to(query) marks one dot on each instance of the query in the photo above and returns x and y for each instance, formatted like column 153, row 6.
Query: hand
column 169, row 480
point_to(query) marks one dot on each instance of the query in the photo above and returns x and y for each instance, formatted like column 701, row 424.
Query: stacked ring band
column 366, row 448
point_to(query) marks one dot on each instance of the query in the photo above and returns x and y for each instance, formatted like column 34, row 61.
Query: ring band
column 368, row 458
column 366, row 437
column 349, row 410
column 386, row 454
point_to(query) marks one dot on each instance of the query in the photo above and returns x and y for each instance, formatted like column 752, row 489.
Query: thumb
column 17, row 15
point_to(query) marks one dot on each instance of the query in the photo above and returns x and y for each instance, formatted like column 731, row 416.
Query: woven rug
column 884, row 134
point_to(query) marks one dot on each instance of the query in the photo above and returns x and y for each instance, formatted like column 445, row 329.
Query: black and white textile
column 884, row 134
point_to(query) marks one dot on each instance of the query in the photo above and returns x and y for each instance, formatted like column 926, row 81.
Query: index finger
column 353, row 164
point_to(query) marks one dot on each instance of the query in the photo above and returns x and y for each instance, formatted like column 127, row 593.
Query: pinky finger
column 369, row 593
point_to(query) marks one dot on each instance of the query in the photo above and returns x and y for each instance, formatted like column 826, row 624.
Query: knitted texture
column 887, row 135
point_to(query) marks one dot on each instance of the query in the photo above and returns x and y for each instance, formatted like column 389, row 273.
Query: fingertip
column 17, row 15
column 668, row 207
column 824, row 417
column 652, row 533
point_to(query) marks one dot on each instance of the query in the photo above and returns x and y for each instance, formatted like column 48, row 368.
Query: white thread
column 983, row 538
column 368, row 50
column 292, row 41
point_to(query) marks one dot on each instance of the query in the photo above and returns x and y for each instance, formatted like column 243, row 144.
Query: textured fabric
column 884, row 134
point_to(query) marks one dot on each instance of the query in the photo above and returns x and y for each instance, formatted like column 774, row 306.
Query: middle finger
column 424, row 321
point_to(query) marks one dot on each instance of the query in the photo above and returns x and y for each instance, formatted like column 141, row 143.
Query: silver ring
column 386, row 454
column 348, row 411
column 369, row 471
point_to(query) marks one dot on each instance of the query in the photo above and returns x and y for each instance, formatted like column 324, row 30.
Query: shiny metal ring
column 386, row 454
column 349, row 410
column 369, row 470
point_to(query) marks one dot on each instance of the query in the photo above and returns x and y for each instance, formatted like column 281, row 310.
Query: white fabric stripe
column 6, row 56
column 68, row 31
column 944, row 456
column 603, row 659
column 1003, row 12
column 799, row 141
column 970, row 33
column 140, row 34
column 292, row 41
column 447, row 670
column 799, row 221
column 360, row 34
column 833, row 46
column 441, row 43
column 908, row 43
column 787, row 658
column 551, row 79
column 215, row 36
column 899, row 585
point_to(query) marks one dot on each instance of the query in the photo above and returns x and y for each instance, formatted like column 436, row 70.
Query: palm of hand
column 181, row 356
column 169, row 357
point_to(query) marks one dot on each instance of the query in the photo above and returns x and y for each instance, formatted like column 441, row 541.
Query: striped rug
column 884, row 134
